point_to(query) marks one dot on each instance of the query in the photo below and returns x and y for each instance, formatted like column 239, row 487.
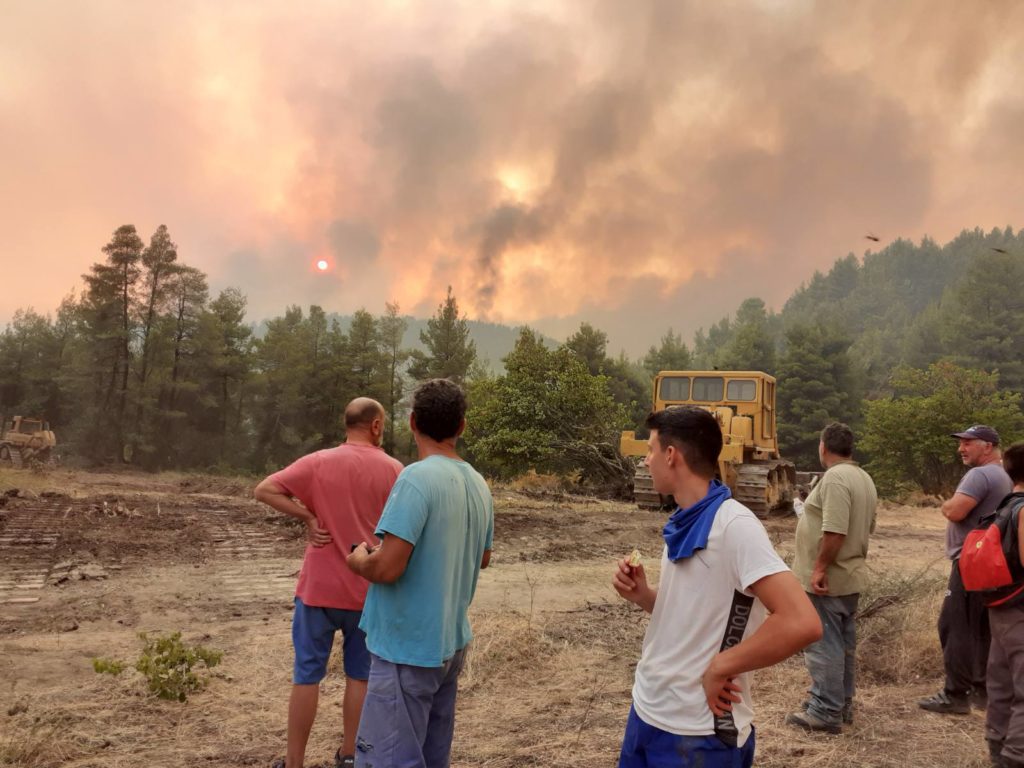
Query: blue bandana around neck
column 688, row 529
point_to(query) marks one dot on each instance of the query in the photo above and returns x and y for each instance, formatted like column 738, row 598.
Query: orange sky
column 638, row 166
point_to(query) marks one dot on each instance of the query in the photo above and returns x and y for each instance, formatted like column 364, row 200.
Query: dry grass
column 898, row 662
column 532, row 482
column 33, row 480
column 552, row 692
column 104, row 721
column 899, row 644
column 533, row 698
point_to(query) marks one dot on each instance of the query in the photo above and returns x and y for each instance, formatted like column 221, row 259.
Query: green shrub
column 168, row 665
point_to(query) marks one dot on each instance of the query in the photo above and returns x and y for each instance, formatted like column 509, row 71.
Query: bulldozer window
column 741, row 389
column 708, row 388
column 674, row 388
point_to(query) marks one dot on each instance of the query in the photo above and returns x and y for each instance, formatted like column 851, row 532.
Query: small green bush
column 168, row 665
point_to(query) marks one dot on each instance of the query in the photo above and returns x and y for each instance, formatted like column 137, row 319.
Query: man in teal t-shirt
column 436, row 530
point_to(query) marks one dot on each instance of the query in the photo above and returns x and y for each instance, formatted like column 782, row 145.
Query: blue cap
column 979, row 432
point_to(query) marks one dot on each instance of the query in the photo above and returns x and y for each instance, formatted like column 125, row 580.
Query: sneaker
column 809, row 722
column 942, row 703
column 344, row 761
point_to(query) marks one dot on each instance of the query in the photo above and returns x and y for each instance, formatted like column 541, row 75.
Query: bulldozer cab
column 749, row 395
column 25, row 426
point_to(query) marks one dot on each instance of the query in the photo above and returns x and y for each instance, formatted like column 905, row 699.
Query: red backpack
column 990, row 558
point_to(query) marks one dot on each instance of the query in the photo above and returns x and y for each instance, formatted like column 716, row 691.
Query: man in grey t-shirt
column 963, row 620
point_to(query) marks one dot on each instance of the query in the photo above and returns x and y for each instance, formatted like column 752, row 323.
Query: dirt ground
column 90, row 560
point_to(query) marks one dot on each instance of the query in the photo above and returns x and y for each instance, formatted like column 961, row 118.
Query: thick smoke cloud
column 637, row 165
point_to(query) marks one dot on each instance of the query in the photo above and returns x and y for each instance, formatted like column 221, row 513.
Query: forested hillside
column 838, row 340
column 145, row 366
column 493, row 340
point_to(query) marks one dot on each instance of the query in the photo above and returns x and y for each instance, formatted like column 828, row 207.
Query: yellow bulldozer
column 750, row 464
column 27, row 440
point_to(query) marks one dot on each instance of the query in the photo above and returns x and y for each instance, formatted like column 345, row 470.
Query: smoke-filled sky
column 638, row 165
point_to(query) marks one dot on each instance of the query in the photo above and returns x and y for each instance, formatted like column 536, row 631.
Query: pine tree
column 392, row 328
column 284, row 362
column 450, row 352
column 108, row 326
column 751, row 346
column 367, row 368
column 158, row 266
column 671, row 355
column 227, row 367
column 816, row 387
column 591, row 346
column 167, row 440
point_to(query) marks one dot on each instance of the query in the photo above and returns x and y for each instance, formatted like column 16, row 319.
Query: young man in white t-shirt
column 720, row 575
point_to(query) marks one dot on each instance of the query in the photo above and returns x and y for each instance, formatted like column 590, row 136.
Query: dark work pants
column 1004, row 723
column 965, row 638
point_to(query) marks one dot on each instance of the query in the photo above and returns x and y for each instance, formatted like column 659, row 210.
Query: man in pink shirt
column 342, row 493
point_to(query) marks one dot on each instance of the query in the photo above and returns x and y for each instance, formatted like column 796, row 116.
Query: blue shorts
column 645, row 746
column 313, row 635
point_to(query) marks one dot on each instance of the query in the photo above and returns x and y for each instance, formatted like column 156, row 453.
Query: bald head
column 365, row 416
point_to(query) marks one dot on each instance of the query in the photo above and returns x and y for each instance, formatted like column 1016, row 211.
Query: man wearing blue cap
column 963, row 620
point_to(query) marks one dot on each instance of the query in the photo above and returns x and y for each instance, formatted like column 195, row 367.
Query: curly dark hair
column 439, row 406
column 838, row 439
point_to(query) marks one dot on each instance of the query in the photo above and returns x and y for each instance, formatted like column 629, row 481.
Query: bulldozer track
column 249, row 563
column 643, row 489
column 765, row 486
column 8, row 453
column 27, row 549
column 762, row 487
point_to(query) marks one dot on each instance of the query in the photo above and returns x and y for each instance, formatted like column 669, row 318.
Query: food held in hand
column 634, row 558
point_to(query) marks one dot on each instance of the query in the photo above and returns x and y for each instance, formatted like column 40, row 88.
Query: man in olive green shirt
column 831, row 549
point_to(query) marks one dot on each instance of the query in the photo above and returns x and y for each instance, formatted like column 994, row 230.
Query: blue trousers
column 645, row 746
column 408, row 717
column 831, row 661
